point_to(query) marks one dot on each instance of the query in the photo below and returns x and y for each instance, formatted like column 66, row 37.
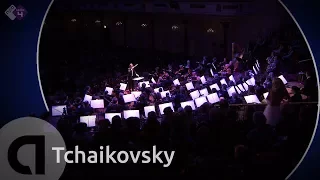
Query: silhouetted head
column 277, row 84
column 259, row 119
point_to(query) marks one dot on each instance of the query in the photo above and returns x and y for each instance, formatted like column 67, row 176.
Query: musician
column 195, row 77
column 204, row 60
column 188, row 64
column 131, row 74
column 188, row 74
column 223, row 63
column 311, row 86
column 180, row 71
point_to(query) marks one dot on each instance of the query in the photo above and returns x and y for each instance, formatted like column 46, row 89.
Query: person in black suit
column 310, row 86
column 131, row 74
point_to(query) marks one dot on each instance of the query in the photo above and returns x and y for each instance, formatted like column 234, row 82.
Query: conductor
column 131, row 74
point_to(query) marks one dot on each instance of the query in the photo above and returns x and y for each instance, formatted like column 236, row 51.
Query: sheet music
column 223, row 81
column 195, row 94
column 203, row 79
column 110, row 116
column 231, row 90
column 200, row 101
column 148, row 109
column 131, row 113
column 215, row 86
column 176, row 82
column 213, row 98
column 204, row 92
column 241, row 87
column 164, row 94
column 252, row 99
column 163, row 106
column 188, row 103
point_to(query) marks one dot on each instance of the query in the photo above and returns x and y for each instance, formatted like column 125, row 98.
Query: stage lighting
column 119, row 23
column 73, row 20
column 210, row 30
column 144, row 25
column 97, row 21
column 174, row 27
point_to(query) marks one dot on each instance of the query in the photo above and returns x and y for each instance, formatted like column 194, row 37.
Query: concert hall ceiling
column 209, row 7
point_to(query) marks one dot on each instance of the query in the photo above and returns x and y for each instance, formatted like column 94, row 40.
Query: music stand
column 58, row 110
column 89, row 120
column 231, row 90
column 200, row 101
column 136, row 94
column 195, row 94
column 188, row 103
column 203, row 80
column 241, row 87
column 153, row 81
column 129, row 98
column 146, row 82
column 110, row 116
column 138, row 78
column 231, row 78
column 204, row 92
column 164, row 94
column 252, row 99
column 251, row 81
column 176, row 82
column 97, row 104
column 211, row 72
column 189, row 86
column 131, row 113
column 213, row 98
column 215, row 86
column 283, row 80
column 246, row 87
column 148, row 109
column 165, row 105
column 156, row 90
column 223, row 81
column 123, row 86
column 237, row 89
column 254, row 69
column 109, row 90
column 87, row 98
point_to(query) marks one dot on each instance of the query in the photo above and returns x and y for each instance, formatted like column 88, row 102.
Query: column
column 225, row 26
column 125, row 21
column 152, row 24
column 186, row 38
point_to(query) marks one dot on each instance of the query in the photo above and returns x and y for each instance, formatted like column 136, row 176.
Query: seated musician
column 144, row 89
column 152, row 99
column 226, row 70
column 188, row 74
column 195, row 77
column 181, row 70
column 223, row 92
column 114, row 106
column 229, row 72
column 224, row 62
column 167, row 99
column 235, row 99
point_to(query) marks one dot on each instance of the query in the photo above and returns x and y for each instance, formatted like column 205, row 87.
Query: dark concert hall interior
column 228, row 85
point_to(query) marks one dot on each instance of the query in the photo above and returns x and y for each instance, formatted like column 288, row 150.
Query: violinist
column 180, row 71
column 188, row 74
